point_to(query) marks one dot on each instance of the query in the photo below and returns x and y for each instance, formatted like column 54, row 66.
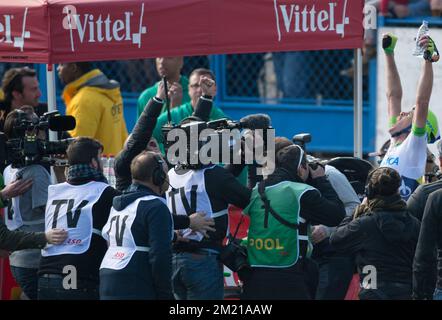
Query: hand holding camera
column 316, row 170
column 161, row 92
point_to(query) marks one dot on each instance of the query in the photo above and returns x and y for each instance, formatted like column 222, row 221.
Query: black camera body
column 234, row 256
column 27, row 148
column 193, row 127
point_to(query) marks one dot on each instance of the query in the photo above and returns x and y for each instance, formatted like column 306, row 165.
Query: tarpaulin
column 55, row 31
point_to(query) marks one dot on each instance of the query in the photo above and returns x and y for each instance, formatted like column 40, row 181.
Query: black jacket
column 385, row 239
column 222, row 189
column 148, row 274
column 138, row 140
column 418, row 199
column 19, row 240
column 424, row 260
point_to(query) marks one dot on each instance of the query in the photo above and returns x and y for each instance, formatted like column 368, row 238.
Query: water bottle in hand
column 423, row 31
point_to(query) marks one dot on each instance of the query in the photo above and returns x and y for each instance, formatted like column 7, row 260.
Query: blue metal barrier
column 249, row 84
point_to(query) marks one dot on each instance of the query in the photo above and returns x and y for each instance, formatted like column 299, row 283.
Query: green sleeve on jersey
column 392, row 121
column 418, row 132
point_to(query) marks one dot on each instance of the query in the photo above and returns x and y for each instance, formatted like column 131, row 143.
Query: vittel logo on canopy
column 293, row 17
column 105, row 27
column 13, row 24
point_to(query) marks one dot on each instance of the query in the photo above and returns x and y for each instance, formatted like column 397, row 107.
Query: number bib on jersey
column 69, row 207
column 118, row 233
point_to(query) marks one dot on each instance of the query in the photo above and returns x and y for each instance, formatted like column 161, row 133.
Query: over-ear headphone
column 369, row 190
column 158, row 175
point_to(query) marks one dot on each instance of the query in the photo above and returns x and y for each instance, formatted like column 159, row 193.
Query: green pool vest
column 273, row 238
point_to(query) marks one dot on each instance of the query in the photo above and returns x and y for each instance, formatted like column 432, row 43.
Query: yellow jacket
column 97, row 105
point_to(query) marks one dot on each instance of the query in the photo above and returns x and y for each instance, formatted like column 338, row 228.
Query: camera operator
column 335, row 269
column 137, row 264
column 20, row 87
column 383, row 235
column 140, row 140
column 19, row 240
column 197, row 272
column 26, row 212
column 281, row 210
column 80, row 205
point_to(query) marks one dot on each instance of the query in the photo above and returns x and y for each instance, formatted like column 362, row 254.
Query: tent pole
column 358, row 104
column 50, row 85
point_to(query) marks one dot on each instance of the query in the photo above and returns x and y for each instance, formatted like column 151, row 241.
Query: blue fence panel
column 301, row 91
column 252, row 83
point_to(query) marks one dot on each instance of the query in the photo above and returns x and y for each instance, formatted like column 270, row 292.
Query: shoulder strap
column 268, row 209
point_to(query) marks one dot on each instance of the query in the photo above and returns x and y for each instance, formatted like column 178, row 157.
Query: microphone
column 62, row 123
column 255, row 121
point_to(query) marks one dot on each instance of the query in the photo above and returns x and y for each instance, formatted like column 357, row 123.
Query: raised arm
column 424, row 89
column 394, row 86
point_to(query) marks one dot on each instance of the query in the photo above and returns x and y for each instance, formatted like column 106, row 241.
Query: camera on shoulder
column 24, row 147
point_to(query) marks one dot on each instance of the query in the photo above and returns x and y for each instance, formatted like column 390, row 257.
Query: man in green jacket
column 169, row 68
column 186, row 110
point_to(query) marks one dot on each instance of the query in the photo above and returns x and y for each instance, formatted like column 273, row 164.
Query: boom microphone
column 62, row 123
column 255, row 121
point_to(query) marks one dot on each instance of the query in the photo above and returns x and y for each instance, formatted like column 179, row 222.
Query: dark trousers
column 335, row 274
column 27, row 279
column 294, row 283
column 387, row 291
column 50, row 287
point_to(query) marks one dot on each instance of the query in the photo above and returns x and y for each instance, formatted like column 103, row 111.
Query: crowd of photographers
column 161, row 232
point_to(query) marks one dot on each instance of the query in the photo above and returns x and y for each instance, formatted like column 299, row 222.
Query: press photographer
column 209, row 188
column 139, row 141
column 26, row 212
column 335, row 270
column 278, row 243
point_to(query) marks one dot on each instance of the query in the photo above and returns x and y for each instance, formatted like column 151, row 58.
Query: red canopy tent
column 56, row 31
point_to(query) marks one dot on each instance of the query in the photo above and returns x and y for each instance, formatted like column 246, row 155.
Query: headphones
column 301, row 154
column 158, row 175
column 369, row 190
